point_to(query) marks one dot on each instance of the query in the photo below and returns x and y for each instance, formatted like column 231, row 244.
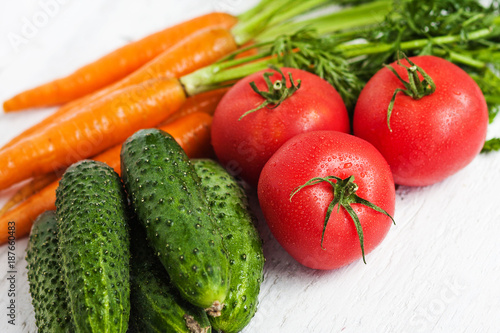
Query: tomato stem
column 344, row 195
column 277, row 91
column 414, row 87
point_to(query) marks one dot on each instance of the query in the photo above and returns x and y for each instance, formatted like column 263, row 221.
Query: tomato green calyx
column 344, row 195
column 414, row 87
column 277, row 91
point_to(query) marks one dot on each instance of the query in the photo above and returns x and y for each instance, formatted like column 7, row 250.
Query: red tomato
column 432, row 137
column 244, row 146
column 297, row 223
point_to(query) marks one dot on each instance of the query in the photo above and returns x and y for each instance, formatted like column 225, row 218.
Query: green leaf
column 489, row 82
column 316, row 55
column 491, row 145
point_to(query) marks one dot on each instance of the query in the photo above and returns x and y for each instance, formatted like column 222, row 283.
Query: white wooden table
column 438, row 270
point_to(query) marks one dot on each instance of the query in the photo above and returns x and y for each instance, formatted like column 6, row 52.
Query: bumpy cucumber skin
column 156, row 304
column 47, row 289
column 168, row 200
column 94, row 246
column 229, row 205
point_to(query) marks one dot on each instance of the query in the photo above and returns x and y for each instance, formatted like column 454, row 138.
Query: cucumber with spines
column 170, row 203
column 94, row 245
column 156, row 304
column 229, row 205
column 46, row 285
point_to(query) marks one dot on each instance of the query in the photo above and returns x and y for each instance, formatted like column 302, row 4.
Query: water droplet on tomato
column 347, row 165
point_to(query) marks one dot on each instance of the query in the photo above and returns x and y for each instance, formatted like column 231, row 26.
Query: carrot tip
column 7, row 106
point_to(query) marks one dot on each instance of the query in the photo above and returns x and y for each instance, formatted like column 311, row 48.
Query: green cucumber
column 94, row 246
column 47, row 289
column 170, row 203
column 229, row 205
column 156, row 304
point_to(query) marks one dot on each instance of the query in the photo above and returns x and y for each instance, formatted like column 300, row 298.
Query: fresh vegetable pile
column 321, row 118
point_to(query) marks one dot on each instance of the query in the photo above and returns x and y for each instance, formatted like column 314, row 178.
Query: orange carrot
column 94, row 128
column 26, row 212
column 195, row 51
column 220, row 42
column 192, row 132
column 34, row 186
column 204, row 102
column 114, row 65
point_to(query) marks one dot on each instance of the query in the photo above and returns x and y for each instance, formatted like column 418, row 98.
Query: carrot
column 114, row 65
column 34, row 186
column 25, row 213
column 221, row 42
column 204, row 102
column 192, row 132
column 92, row 129
column 197, row 50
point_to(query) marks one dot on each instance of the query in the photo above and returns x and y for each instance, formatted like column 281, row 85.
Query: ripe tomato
column 297, row 223
column 244, row 146
column 432, row 137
